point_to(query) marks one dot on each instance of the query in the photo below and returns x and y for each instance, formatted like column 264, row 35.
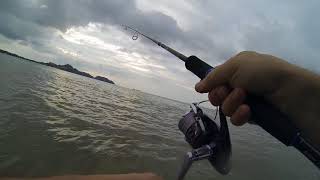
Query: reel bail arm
column 201, row 153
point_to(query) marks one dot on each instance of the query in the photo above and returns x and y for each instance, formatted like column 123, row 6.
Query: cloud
column 86, row 34
column 15, row 28
column 63, row 14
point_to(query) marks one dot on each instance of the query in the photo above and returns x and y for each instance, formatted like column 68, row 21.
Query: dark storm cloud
column 63, row 14
column 21, row 19
column 15, row 28
column 294, row 35
column 212, row 30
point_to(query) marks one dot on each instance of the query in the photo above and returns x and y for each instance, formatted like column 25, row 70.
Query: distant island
column 66, row 67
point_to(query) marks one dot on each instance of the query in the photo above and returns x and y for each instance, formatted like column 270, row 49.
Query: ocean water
column 56, row 123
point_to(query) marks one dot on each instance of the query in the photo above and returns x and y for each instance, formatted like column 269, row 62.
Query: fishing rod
column 263, row 114
column 192, row 63
column 172, row 51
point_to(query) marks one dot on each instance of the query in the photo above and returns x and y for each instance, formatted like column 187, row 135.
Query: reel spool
column 208, row 140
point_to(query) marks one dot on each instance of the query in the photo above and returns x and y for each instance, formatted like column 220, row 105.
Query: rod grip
column 262, row 113
column 198, row 67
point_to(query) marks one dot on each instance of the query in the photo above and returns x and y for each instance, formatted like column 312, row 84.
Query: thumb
column 221, row 75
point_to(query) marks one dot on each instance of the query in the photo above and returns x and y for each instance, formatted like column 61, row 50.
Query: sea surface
column 55, row 123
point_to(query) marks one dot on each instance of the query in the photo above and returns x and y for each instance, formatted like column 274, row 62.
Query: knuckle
column 244, row 55
column 247, row 53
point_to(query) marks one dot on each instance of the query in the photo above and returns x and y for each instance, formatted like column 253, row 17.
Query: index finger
column 221, row 75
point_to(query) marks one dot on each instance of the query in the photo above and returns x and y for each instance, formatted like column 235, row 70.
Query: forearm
column 302, row 94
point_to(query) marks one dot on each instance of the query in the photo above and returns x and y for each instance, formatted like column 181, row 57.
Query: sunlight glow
column 94, row 36
column 77, row 37
column 68, row 52
column 139, row 68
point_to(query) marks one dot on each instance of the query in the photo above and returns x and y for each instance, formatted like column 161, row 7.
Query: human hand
column 293, row 90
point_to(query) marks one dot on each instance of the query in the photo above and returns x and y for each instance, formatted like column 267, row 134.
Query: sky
column 87, row 34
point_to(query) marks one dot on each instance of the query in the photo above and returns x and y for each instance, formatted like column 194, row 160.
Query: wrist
column 303, row 101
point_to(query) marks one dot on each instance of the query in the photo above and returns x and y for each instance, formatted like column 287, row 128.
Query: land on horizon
column 66, row 67
column 69, row 68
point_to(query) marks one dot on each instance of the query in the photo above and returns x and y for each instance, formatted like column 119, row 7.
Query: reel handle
column 262, row 112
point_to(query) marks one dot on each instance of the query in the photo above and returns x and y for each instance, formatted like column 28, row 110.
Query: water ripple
column 53, row 123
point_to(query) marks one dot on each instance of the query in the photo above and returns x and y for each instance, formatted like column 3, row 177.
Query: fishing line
column 217, row 109
column 197, row 127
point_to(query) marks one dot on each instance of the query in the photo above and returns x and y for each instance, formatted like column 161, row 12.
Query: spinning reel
column 212, row 141
column 208, row 140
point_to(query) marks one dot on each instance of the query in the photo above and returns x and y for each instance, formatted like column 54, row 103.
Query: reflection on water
column 53, row 123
